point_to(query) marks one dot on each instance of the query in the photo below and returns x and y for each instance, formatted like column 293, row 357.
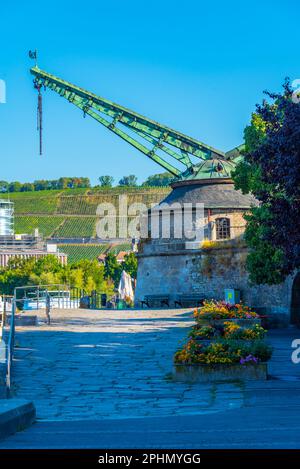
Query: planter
column 220, row 322
column 203, row 373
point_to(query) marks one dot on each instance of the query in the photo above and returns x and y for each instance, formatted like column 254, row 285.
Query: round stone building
column 175, row 267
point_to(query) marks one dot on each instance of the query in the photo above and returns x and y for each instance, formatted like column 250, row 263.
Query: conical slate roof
column 216, row 192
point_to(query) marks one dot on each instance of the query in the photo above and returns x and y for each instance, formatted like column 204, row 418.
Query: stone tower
column 174, row 267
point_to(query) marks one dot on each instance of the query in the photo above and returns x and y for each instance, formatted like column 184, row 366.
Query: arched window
column 222, row 228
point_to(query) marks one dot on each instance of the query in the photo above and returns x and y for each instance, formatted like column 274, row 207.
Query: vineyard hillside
column 71, row 213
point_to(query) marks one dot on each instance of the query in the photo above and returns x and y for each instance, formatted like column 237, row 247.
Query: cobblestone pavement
column 100, row 364
column 90, row 365
column 101, row 379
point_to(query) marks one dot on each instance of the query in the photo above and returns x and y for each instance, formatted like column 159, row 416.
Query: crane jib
column 160, row 143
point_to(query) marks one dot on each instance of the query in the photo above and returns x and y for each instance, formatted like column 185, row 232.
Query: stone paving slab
column 238, row 428
column 15, row 415
column 115, row 365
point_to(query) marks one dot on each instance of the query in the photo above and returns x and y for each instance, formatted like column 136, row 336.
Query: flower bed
column 222, row 311
column 228, row 330
column 225, row 337
column 223, row 351
column 216, row 313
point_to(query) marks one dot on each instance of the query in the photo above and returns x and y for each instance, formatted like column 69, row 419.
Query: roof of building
column 213, row 168
column 213, row 193
column 101, row 257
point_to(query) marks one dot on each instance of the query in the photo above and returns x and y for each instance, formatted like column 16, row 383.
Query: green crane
column 158, row 142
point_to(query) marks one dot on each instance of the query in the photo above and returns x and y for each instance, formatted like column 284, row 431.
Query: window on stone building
column 222, row 228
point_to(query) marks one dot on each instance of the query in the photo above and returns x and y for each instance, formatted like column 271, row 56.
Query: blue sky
column 199, row 67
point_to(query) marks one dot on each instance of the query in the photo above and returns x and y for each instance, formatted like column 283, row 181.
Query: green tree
column 49, row 263
column 130, row 181
column 84, row 182
column 159, row 180
column 27, row 187
column 4, row 185
column 74, row 277
column 130, row 264
column 271, row 171
column 15, row 186
column 63, row 182
column 41, row 185
column 106, row 181
column 112, row 269
column 85, row 274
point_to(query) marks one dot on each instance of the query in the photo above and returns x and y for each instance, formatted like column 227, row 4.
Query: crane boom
column 148, row 136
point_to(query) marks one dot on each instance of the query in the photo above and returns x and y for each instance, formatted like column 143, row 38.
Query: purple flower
column 250, row 358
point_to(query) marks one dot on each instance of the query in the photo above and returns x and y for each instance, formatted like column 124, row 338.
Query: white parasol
column 125, row 286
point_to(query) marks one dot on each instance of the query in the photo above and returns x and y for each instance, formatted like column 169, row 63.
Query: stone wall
column 153, row 226
column 208, row 272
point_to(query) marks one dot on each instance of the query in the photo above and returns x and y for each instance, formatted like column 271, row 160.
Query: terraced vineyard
column 71, row 213
column 33, row 205
column 76, row 252
column 120, row 247
column 46, row 225
column 76, row 227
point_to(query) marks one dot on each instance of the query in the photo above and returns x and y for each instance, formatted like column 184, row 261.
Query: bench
column 189, row 300
column 162, row 300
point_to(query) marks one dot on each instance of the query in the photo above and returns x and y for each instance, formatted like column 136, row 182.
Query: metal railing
column 33, row 302
column 33, row 297
column 10, row 344
column 62, row 296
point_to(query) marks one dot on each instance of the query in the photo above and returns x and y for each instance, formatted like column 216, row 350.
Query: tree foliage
column 271, row 171
column 159, row 180
column 130, row 264
column 130, row 181
column 106, row 181
column 85, row 274
column 112, row 269
column 45, row 184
